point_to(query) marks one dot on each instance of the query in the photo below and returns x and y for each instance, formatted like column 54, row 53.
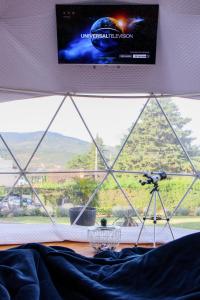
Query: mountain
column 54, row 152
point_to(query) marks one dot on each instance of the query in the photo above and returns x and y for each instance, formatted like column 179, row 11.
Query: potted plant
column 80, row 192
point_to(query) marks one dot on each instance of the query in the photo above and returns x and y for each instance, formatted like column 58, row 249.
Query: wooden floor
column 82, row 248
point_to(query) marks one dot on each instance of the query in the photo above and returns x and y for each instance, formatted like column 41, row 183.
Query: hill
column 54, row 152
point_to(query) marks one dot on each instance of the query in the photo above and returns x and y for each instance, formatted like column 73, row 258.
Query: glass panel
column 187, row 216
column 22, row 126
column 109, row 120
column 61, row 192
column 184, row 117
column 114, row 206
column 171, row 192
column 139, row 195
column 67, row 145
column 6, row 182
column 7, row 163
column 153, row 146
column 20, row 204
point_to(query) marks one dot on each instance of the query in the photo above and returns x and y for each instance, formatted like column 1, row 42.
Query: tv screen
column 107, row 34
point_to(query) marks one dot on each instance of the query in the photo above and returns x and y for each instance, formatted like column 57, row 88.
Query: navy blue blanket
column 34, row 271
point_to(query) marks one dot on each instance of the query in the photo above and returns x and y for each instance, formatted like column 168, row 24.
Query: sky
column 109, row 118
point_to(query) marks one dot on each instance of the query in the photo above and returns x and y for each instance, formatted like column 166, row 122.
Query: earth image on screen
column 109, row 27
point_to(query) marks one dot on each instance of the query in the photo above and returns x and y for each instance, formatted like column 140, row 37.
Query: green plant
column 104, row 222
column 81, row 190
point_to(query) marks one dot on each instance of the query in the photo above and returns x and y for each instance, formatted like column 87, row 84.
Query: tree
column 90, row 160
column 153, row 146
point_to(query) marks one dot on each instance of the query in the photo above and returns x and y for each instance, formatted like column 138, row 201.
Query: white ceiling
column 28, row 53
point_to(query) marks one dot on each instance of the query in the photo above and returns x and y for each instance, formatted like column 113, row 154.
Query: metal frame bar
column 50, row 93
column 154, row 221
column 65, row 172
column 144, row 218
column 98, row 171
column 111, row 96
column 142, row 172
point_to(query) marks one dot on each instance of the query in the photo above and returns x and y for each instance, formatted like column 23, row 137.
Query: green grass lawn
column 186, row 222
column 183, row 221
column 33, row 220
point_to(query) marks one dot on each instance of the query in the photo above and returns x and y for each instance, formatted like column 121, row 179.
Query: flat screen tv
column 107, row 34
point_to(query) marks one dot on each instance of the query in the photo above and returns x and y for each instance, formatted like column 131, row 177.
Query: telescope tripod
column 154, row 196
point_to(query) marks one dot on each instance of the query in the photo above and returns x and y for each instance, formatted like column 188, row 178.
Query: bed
column 34, row 271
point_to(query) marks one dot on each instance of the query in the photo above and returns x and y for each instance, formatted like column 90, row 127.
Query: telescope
column 153, row 178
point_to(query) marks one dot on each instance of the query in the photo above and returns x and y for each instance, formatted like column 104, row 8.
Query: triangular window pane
column 21, row 205
column 23, row 124
column 184, row 117
column 67, row 145
column 114, row 206
column 109, row 120
column 62, row 192
column 153, row 146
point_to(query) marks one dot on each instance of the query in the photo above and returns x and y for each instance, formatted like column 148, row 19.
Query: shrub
column 23, row 212
column 182, row 211
column 37, row 212
column 104, row 211
column 3, row 214
column 19, row 212
column 123, row 212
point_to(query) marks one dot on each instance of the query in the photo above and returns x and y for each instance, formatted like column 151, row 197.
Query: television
column 106, row 34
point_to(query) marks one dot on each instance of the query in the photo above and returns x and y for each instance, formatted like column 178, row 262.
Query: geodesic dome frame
column 23, row 172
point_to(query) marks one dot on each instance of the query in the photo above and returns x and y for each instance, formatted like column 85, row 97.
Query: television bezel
column 118, row 65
